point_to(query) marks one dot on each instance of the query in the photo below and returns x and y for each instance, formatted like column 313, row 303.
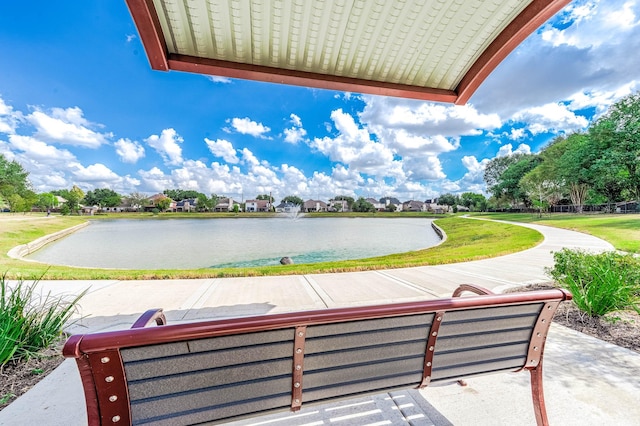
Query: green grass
column 28, row 322
column 621, row 230
column 468, row 239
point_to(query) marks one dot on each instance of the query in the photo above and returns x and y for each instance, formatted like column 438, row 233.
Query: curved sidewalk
column 587, row 381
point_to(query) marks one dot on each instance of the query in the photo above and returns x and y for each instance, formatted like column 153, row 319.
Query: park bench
column 223, row 370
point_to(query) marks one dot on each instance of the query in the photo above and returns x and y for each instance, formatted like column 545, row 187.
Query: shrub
column 600, row 283
column 30, row 322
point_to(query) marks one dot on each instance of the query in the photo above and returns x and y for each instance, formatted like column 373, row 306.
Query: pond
column 229, row 242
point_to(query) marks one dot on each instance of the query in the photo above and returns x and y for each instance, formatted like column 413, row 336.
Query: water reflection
column 208, row 243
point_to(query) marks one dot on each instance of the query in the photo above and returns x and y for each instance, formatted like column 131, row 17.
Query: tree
column 508, row 183
column 473, row 201
column 46, row 201
column 362, row 205
column 617, row 133
column 293, row 199
column 73, row 197
column 349, row 200
column 204, row 204
column 391, row 207
column 137, row 200
column 103, row 197
column 448, row 199
column 180, row 194
column 163, row 203
column 13, row 178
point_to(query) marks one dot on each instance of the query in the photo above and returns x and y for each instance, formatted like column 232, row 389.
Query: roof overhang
column 434, row 50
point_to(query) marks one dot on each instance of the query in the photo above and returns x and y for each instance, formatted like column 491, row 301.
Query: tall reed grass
column 600, row 283
column 29, row 321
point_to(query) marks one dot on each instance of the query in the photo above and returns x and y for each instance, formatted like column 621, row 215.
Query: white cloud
column 506, row 150
column 36, row 150
column 385, row 115
column 8, row 118
column 552, row 118
column 167, row 145
column 67, row 126
column 354, row 148
column 223, row 149
column 248, row 127
column 295, row 133
column 96, row 173
column 131, row 37
column 129, row 151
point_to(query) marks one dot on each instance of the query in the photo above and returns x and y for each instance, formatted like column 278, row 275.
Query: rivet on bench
column 435, row 333
column 113, row 398
column 298, row 351
column 108, row 379
column 298, row 367
column 115, row 419
column 535, row 348
column 297, row 401
column 296, row 385
column 428, row 364
column 104, row 360
column 431, row 348
column 300, row 334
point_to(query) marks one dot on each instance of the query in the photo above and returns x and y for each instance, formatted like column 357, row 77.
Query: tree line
column 598, row 166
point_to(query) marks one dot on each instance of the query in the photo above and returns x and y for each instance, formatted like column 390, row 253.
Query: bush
column 29, row 322
column 600, row 283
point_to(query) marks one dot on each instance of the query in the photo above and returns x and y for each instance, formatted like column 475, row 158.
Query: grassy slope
column 621, row 230
column 467, row 240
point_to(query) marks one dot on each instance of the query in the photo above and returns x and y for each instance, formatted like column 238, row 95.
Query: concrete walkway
column 587, row 381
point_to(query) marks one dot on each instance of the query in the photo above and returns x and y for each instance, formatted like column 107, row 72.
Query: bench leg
column 537, row 392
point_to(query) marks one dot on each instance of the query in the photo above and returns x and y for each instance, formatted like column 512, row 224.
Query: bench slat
column 205, row 360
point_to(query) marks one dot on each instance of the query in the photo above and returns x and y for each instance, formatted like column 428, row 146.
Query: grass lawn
column 621, row 230
column 468, row 239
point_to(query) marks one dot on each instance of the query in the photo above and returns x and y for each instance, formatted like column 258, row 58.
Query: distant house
column 257, row 206
column 224, row 205
column 387, row 201
column 375, row 203
column 287, row 208
column 88, row 210
column 187, row 205
column 413, row 206
column 310, row 206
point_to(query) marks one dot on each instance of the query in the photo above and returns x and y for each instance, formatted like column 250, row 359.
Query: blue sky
column 80, row 105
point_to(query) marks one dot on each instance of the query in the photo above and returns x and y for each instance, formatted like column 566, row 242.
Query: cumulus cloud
column 66, row 126
column 386, row 115
column 129, row 151
column 355, row 148
column 36, row 150
column 223, row 149
column 506, row 150
column 552, row 117
column 8, row 118
column 247, row 126
column 296, row 132
column 168, row 146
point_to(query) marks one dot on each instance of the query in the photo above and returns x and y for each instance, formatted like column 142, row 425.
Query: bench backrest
column 228, row 369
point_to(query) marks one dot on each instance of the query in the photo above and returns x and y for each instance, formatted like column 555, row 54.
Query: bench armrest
column 148, row 317
column 472, row 288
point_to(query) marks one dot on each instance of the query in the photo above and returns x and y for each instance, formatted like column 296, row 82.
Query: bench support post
column 537, row 394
